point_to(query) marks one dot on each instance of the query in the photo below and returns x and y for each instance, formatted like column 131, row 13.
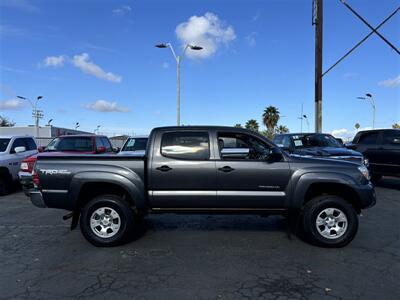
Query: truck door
column 182, row 173
column 390, row 152
column 249, row 180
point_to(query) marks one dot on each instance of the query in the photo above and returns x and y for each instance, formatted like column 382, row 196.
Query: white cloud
column 346, row 134
column 207, row 31
column 12, row 104
column 122, row 10
column 105, row 106
column 54, row 61
column 165, row 65
column 251, row 39
column 83, row 62
column 390, row 83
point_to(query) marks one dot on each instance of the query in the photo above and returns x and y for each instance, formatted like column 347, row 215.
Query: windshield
column 315, row 140
column 3, row 144
column 135, row 144
column 78, row 144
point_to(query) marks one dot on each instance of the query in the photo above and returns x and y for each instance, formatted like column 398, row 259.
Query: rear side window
column 391, row 137
column 30, row 144
column 370, row 138
column 186, row 145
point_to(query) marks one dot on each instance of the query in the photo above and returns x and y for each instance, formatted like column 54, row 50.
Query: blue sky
column 95, row 62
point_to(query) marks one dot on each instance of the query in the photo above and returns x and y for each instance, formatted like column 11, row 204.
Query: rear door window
column 391, row 137
column 107, row 144
column 186, row 145
column 17, row 143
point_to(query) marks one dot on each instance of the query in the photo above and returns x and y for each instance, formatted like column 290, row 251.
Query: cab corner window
column 186, row 145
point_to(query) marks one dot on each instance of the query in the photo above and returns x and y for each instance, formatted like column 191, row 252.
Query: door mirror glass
column 274, row 155
column 235, row 153
column 396, row 141
column 19, row 149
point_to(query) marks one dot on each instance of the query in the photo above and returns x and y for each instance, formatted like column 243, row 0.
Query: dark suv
column 382, row 148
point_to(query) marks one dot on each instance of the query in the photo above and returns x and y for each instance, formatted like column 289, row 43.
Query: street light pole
column 178, row 59
column 36, row 114
column 372, row 102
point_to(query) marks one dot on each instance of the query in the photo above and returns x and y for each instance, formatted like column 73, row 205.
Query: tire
column 333, row 230
column 375, row 178
column 107, row 221
column 4, row 186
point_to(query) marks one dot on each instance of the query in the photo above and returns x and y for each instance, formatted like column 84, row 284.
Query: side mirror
column 41, row 149
column 101, row 149
column 281, row 146
column 116, row 149
column 396, row 141
column 19, row 149
column 235, row 153
column 274, row 155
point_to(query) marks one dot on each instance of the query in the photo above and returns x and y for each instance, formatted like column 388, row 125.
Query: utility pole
column 318, row 22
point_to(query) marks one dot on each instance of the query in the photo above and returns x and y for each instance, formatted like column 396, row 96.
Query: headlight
column 364, row 171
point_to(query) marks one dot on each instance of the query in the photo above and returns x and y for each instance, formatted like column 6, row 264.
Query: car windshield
column 78, row 144
column 315, row 140
column 135, row 144
column 3, row 144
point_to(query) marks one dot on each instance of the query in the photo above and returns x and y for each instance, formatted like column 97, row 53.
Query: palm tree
column 357, row 126
column 238, row 125
column 271, row 118
column 252, row 125
column 282, row 129
column 396, row 126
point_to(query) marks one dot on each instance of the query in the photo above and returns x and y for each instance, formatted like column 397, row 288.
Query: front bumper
column 25, row 178
column 37, row 199
column 367, row 195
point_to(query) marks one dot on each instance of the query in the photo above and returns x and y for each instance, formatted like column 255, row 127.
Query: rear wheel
column 329, row 221
column 107, row 221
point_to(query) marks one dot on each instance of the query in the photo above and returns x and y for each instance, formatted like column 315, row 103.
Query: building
column 46, row 133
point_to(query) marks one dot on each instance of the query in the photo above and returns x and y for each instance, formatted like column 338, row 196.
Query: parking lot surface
column 198, row 257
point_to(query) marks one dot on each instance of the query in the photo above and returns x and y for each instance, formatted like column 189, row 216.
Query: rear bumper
column 37, row 199
column 25, row 178
column 367, row 195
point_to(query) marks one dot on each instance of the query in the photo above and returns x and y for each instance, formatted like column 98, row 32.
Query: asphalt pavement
column 198, row 257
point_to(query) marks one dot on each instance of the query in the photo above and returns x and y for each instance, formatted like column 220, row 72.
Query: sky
column 94, row 62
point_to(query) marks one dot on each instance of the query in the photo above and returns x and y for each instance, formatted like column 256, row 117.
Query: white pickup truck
column 13, row 149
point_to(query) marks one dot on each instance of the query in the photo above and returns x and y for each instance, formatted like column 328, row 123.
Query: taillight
column 28, row 164
column 35, row 179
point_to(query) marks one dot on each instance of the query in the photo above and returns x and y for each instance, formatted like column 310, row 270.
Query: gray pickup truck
column 204, row 169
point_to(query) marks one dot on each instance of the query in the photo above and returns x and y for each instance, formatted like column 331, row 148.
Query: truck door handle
column 226, row 169
column 164, row 168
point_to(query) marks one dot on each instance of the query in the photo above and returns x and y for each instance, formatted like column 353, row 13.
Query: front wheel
column 107, row 221
column 329, row 221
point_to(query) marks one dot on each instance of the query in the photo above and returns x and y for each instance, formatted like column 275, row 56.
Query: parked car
column 84, row 144
column 317, row 145
column 204, row 169
column 13, row 149
column 382, row 149
column 134, row 146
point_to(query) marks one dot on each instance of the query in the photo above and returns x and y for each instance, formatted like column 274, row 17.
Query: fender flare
column 303, row 182
column 134, row 186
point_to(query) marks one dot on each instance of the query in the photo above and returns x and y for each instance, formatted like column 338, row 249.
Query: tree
column 5, row 122
column 282, row 129
column 396, row 126
column 357, row 126
column 252, row 125
column 238, row 125
column 271, row 118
